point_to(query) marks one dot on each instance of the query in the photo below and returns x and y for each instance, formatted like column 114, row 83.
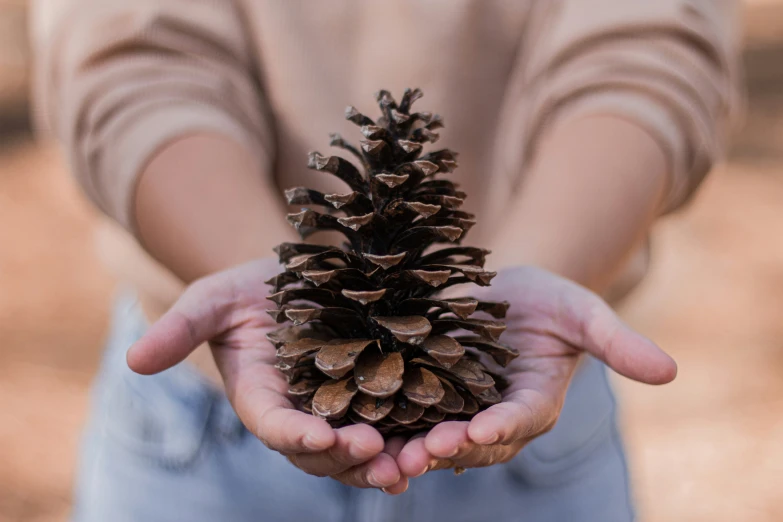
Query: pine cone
column 369, row 341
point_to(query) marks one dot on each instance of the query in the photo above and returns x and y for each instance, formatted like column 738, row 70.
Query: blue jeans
column 169, row 447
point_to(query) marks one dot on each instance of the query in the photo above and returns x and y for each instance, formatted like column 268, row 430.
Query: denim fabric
column 169, row 447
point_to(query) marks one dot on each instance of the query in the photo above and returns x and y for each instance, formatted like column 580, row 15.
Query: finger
column 197, row 316
column 523, row 414
column 396, row 489
column 433, row 450
column 478, row 456
column 414, row 459
column 446, row 439
column 627, row 352
column 355, row 445
column 286, row 430
column 449, row 443
column 394, row 446
column 380, row 472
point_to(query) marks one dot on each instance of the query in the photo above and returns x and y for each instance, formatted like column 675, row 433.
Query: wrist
column 587, row 203
column 203, row 205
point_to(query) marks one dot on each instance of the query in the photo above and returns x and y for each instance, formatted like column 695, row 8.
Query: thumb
column 624, row 350
column 197, row 316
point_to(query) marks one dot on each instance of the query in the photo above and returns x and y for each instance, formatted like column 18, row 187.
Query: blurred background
column 707, row 448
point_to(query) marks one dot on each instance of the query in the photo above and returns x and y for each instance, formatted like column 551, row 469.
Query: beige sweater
column 115, row 80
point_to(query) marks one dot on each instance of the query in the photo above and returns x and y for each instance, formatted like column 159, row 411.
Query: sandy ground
column 706, row 448
column 53, row 303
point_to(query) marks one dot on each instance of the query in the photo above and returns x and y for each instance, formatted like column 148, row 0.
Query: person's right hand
column 228, row 310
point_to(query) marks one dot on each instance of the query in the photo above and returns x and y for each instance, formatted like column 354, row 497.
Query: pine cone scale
column 378, row 374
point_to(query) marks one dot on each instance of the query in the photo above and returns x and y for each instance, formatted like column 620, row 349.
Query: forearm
column 202, row 204
column 587, row 203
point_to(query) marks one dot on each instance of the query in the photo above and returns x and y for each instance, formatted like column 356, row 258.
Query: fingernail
column 372, row 480
column 491, row 440
column 357, row 451
column 385, row 491
column 311, row 443
column 422, row 473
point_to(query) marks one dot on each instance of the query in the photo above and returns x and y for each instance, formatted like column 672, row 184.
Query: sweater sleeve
column 671, row 66
column 115, row 81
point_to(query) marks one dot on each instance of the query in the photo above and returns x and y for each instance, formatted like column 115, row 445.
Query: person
column 578, row 123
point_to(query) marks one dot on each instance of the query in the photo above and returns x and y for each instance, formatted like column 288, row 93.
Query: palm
column 543, row 324
column 551, row 322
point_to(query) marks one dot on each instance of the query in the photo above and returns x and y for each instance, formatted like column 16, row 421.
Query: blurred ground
column 704, row 449
column 707, row 447
column 53, row 305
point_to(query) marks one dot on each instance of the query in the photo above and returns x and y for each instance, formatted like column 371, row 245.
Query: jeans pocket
column 162, row 417
column 151, row 416
column 585, row 422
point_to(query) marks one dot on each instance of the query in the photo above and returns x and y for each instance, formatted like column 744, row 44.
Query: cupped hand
column 228, row 310
column 552, row 322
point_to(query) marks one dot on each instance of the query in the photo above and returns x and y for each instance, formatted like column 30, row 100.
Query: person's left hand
column 552, row 322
